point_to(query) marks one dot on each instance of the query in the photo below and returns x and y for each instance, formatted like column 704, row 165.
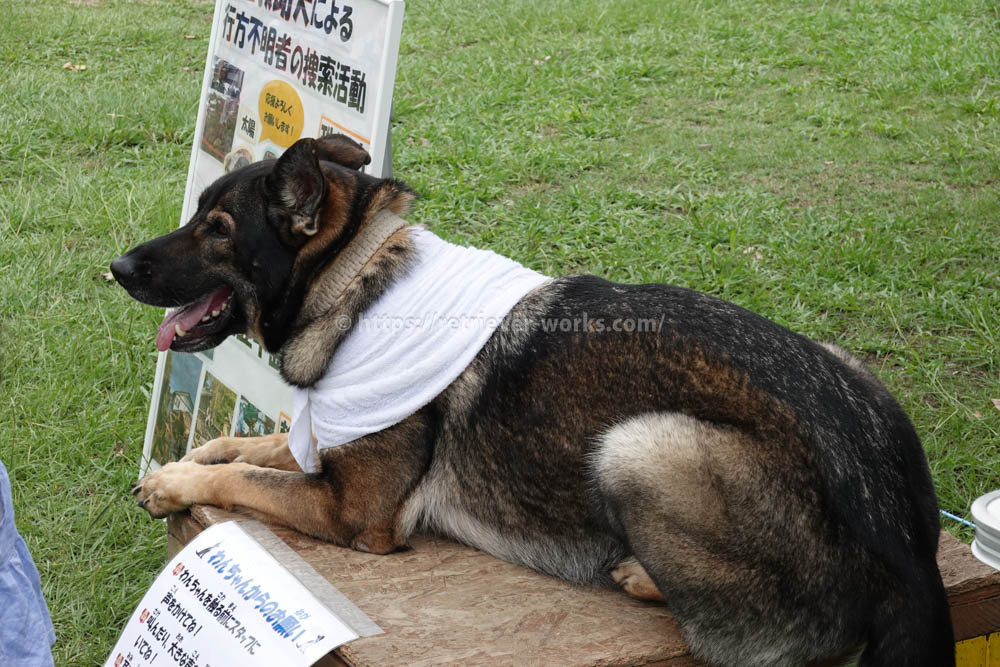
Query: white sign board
column 226, row 600
column 277, row 71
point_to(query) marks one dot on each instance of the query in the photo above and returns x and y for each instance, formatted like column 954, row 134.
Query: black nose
column 127, row 269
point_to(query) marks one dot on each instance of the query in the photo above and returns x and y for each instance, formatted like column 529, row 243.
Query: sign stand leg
column 387, row 154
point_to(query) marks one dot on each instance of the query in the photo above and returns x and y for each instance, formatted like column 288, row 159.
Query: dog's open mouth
column 195, row 321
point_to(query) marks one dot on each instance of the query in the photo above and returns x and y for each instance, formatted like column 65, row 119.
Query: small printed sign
column 226, row 600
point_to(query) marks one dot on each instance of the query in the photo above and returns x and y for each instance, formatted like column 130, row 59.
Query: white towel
column 413, row 342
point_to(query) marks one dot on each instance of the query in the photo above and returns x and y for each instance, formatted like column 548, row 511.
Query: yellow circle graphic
column 281, row 114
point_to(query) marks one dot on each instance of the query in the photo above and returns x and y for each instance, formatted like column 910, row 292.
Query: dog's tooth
column 207, row 318
column 180, row 332
column 215, row 313
column 225, row 305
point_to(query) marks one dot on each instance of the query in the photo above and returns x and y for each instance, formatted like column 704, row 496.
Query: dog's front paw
column 172, row 488
column 269, row 451
column 220, row 450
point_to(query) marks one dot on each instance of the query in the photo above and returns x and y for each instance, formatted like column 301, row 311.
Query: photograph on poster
column 284, row 423
column 237, row 159
column 215, row 411
column 221, row 109
column 252, row 421
column 176, row 406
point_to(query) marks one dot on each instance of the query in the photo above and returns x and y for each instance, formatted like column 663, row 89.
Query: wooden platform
column 442, row 603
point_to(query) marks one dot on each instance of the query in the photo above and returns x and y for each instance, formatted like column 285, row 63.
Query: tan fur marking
column 666, row 451
column 333, row 218
column 400, row 204
column 375, row 475
column 215, row 216
column 390, row 195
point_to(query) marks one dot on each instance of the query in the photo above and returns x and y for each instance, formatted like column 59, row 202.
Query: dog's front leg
column 355, row 500
column 268, row 451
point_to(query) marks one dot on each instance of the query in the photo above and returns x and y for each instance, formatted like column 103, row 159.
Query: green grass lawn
column 834, row 166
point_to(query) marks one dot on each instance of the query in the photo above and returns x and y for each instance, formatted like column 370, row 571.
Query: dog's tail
column 913, row 629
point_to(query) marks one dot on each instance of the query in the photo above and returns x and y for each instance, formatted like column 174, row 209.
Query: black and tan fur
column 767, row 488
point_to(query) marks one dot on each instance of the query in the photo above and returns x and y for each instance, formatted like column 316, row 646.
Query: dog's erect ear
column 338, row 148
column 297, row 185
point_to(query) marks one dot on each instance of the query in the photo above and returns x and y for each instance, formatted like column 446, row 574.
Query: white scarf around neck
column 408, row 346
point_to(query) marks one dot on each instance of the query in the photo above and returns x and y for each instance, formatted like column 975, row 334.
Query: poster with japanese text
column 227, row 600
column 276, row 71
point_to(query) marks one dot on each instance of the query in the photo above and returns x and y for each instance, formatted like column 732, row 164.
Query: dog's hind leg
column 635, row 581
column 268, row 451
column 724, row 526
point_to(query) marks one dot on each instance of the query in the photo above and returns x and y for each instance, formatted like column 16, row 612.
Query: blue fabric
column 26, row 632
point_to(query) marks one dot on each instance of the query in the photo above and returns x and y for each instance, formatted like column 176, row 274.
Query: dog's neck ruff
column 409, row 345
column 318, row 327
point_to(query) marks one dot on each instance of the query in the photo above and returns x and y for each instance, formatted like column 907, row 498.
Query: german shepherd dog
column 767, row 488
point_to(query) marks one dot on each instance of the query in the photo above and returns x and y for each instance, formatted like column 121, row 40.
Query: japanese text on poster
column 225, row 600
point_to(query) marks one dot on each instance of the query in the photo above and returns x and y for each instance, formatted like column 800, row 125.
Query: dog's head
column 243, row 262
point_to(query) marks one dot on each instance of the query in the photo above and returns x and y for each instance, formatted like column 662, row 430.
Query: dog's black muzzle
column 129, row 269
column 167, row 271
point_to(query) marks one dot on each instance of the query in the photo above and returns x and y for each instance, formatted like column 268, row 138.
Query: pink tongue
column 189, row 316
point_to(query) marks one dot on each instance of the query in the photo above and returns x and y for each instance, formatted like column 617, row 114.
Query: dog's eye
column 219, row 228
